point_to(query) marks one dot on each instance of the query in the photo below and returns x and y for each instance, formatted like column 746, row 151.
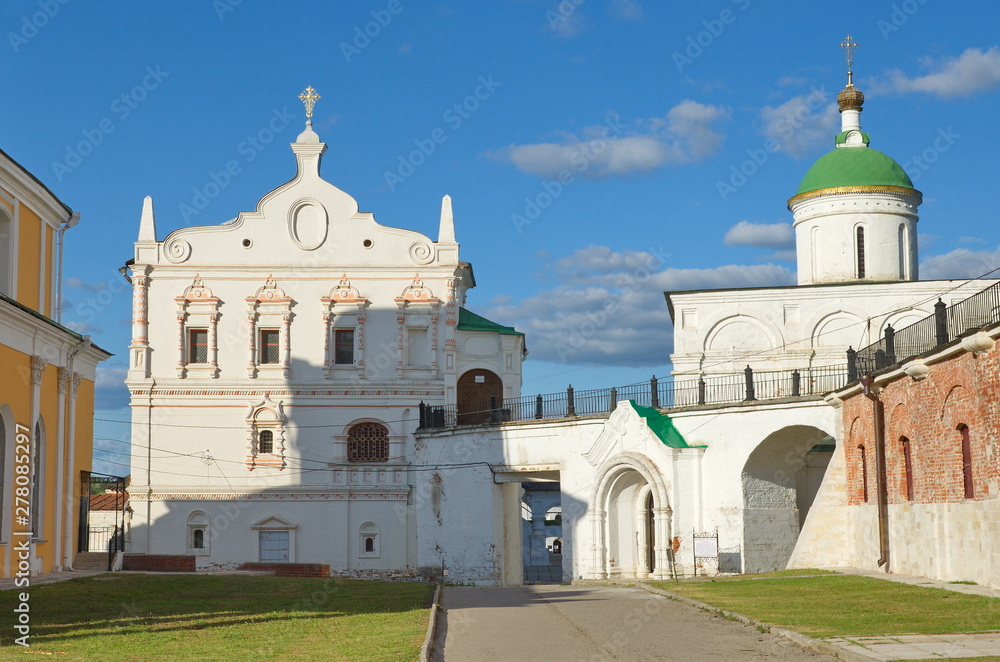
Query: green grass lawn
column 846, row 605
column 231, row 618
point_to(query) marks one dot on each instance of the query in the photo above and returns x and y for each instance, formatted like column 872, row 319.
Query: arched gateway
column 630, row 517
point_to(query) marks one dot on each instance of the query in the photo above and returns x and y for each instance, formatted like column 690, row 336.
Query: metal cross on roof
column 849, row 46
column 309, row 98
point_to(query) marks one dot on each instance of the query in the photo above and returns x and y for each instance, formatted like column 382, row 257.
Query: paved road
column 594, row 623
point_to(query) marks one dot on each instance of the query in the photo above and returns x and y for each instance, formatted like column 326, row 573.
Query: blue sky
column 652, row 108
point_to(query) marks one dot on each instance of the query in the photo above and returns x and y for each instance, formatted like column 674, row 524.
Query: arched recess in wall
column 780, row 480
column 902, row 319
column 839, row 329
column 630, row 516
column 38, row 505
column 738, row 338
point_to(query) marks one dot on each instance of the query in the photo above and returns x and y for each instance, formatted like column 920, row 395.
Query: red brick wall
column 291, row 569
column 158, row 563
column 962, row 390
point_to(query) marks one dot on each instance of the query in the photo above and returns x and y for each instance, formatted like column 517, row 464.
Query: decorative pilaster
column 213, row 344
column 65, row 376
column 434, row 343
column 181, row 359
column 252, row 344
column 361, row 344
column 139, row 349
column 37, row 369
column 286, row 346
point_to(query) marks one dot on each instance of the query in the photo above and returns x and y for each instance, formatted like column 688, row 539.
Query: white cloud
column 109, row 388
column 767, row 235
column 627, row 10
column 802, row 123
column 960, row 263
column 607, row 307
column 83, row 328
column 566, row 25
column 685, row 134
column 973, row 71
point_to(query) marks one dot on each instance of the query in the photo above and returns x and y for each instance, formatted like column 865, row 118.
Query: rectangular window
column 274, row 546
column 418, row 351
column 269, row 341
column 198, row 346
column 343, row 346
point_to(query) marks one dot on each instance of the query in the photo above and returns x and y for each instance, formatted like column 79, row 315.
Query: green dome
column 854, row 166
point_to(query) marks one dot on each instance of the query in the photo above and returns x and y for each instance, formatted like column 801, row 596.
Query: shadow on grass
column 85, row 608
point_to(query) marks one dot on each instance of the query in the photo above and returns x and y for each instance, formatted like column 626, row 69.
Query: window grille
column 368, row 442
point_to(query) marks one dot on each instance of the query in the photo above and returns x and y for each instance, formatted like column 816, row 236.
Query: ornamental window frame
column 344, row 309
column 198, row 523
column 268, row 416
column 275, row 524
column 267, row 310
column 418, row 309
column 197, row 311
column 368, row 541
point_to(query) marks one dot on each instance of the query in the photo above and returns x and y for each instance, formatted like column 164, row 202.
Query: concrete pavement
column 593, row 623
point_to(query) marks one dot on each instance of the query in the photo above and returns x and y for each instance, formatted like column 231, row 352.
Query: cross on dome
column 849, row 46
column 309, row 99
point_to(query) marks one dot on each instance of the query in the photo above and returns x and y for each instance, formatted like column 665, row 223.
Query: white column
column 599, row 550
column 65, row 497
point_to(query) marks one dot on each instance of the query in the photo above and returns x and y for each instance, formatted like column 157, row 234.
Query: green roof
column 469, row 321
column 854, row 166
column 660, row 425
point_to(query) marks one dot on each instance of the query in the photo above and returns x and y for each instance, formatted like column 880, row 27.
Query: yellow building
column 47, row 375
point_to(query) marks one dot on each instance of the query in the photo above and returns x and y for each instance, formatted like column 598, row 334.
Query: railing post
column 654, row 393
column 437, row 414
column 890, row 345
column 796, row 384
column 701, row 389
column 614, row 397
column 852, row 365
column 494, row 413
column 570, row 407
column 423, row 415
column 538, row 406
column 941, row 322
column 748, row 371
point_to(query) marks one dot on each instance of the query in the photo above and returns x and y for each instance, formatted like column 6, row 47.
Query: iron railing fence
column 658, row 393
column 945, row 325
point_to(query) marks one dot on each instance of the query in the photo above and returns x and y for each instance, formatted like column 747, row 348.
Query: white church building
column 279, row 361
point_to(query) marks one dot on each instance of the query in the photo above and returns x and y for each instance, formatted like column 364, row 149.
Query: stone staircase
column 91, row 561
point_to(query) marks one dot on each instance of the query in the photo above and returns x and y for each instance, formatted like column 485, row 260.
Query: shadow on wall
column 780, row 481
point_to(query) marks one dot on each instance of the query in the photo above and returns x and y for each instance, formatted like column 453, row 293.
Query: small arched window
column 368, row 442
column 265, row 442
column 198, row 539
column 861, row 251
column 369, row 540
column 864, row 473
column 970, row 492
column 907, row 467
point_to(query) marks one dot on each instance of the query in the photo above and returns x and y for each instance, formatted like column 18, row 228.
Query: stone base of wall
column 290, row 569
column 159, row 562
column 404, row 574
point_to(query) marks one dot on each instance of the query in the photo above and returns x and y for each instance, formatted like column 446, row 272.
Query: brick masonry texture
column 158, row 563
column 962, row 390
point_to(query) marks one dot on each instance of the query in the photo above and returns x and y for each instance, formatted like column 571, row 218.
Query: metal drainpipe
column 882, row 492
